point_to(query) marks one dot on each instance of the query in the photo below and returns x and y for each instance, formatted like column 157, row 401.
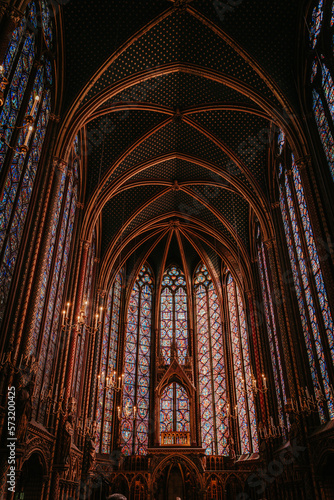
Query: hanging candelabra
column 80, row 322
column 129, row 413
column 255, row 386
column 270, row 431
column 230, row 413
column 308, row 403
column 112, row 383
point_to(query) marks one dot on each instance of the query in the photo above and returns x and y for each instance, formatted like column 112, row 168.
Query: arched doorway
column 31, row 479
column 175, row 484
column 233, row 488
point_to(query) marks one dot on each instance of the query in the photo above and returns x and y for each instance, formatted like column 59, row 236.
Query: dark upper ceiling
column 177, row 101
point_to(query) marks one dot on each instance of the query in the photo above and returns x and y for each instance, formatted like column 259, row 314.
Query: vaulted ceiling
column 177, row 99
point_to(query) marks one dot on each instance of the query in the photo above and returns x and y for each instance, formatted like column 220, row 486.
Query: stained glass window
column 19, row 163
column 173, row 315
column 19, row 187
column 304, row 261
column 134, row 431
column 212, row 377
column 242, row 369
column 315, row 28
column 323, row 89
column 174, row 409
column 46, row 331
column 108, row 366
column 47, row 23
column 324, row 130
column 272, row 331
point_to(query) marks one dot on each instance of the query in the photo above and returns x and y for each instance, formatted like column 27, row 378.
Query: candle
column 96, row 318
column 67, row 309
column 228, row 410
column 26, row 140
column 271, row 421
column 118, row 412
column 134, row 411
column 264, row 381
column 36, row 100
column 307, row 393
column 63, row 322
column 101, row 309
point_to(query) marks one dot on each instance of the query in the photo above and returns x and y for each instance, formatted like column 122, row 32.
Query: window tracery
column 308, row 281
column 136, row 391
column 242, row 369
column 20, row 152
column 106, row 397
column 211, row 359
column 174, row 315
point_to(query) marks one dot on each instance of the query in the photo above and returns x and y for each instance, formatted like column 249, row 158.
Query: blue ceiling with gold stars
column 179, row 100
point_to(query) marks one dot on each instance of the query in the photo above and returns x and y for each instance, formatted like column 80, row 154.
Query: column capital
column 303, row 162
column 275, row 205
column 80, row 205
column 269, row 243
column 12, row 12
column 54, row 118
column 85, row 244
column 59, row 163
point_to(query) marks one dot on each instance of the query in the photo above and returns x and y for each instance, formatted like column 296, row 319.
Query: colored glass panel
column 174, row 315
column 271, row 330
column 242, row 369
column 174, row 409
column 316, row 22
column 324, row 130
column 298, row 261
column 15, row 95
column 46, row 23
column 212, row 381
column 134, row 433
column 314, row 259
column 16, row 199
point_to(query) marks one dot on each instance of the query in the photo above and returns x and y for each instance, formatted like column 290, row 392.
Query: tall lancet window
column 270, row 322
column 105, row 402
column 242, row 368
column 174, row 315
column 212, row 378
column 136, row 391
column 48, row 319
column 309, row 284
column 174, row 409
column 23, row 123
column 321, row 80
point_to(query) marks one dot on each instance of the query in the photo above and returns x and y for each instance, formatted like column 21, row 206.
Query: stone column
column 249, row 295
column 279, row 301
column 78, row 301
